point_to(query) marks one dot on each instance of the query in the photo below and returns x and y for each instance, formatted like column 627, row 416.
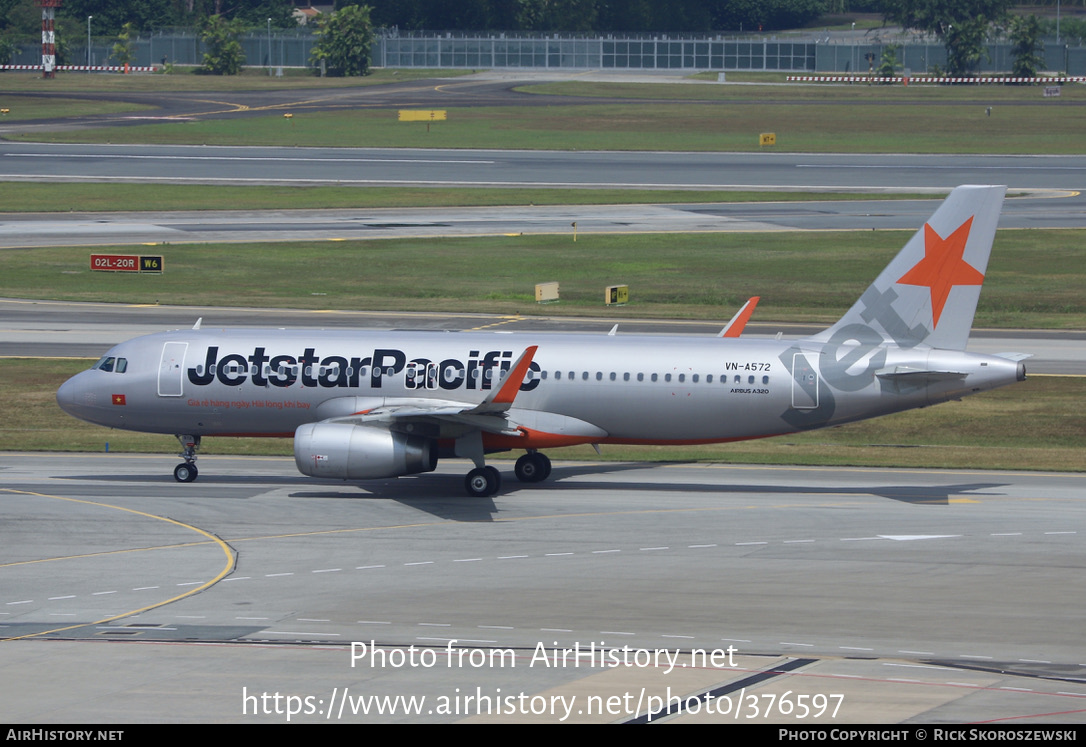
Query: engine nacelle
column 359, row 452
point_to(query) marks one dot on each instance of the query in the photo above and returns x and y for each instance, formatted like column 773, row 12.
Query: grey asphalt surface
column 418, row 167
column 901, row 595
column 1061, row 209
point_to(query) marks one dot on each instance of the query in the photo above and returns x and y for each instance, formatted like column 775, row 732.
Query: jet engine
column 359, row 452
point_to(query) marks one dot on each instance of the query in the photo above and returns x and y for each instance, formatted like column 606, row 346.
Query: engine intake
column 359, row 452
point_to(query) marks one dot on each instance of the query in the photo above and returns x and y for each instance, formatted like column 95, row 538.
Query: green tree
column 888, row 64
column 961, row 24
column 344, row 39
column 123, row 50
column 224, row 54
column 965, row 46
column 1025, row 33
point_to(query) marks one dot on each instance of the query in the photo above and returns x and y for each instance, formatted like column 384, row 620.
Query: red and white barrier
column 86, row 68
column 925, row 79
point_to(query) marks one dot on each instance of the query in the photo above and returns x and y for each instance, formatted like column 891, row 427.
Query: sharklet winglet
column 501, row 398
column 738, row 323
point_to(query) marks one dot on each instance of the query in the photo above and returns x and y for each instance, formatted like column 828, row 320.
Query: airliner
column 366, row 405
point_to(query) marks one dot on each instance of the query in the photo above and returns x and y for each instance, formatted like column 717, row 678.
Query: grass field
column 1035, row 278
column 813, row 128
column 185, row 79
column 1036, row 425
column 29, row 108
column 679, row 117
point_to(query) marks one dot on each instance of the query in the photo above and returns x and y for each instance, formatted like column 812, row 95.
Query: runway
column 198, row 164
column 1052, row 209
column 916, row 595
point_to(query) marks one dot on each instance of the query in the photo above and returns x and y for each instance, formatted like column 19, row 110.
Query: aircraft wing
column 449, row 419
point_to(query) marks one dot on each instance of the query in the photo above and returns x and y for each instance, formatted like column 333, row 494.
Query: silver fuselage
column 581, row 388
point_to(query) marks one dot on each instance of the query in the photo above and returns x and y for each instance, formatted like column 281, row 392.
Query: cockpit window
column 111, row 364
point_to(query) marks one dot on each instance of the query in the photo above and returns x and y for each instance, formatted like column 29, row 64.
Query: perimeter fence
column 277, row 49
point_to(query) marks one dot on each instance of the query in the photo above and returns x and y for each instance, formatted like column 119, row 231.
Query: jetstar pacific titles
column 284, row 370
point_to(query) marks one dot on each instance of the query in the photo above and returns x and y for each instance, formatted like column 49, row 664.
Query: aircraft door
column 171, row 369
column 804, row 383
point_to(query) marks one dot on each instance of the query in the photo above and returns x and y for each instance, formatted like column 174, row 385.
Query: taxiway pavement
column 914, row 595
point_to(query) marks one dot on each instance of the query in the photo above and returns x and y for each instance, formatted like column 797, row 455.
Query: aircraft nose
column 70, row 396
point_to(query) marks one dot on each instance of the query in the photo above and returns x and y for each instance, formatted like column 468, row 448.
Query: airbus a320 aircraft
column 363, row 405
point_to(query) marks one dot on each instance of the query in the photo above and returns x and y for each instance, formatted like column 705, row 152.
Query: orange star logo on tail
column 943, row 267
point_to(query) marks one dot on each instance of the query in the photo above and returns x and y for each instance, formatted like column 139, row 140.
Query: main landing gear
column 533, row 467
column 485, row 481
column 187, row 472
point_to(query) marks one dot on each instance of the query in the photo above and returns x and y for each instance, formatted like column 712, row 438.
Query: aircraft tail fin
column 928, row 293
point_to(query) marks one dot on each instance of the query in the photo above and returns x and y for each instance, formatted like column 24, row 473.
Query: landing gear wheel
column 533, row 467
column 483, row 481
column 185, row 472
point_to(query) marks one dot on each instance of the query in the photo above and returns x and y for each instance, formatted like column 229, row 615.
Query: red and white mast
column 48, row 37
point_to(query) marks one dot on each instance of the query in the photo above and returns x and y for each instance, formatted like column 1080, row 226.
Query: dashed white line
column 918, row 666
